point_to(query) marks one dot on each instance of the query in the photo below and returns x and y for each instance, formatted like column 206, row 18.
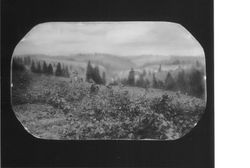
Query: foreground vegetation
column 53, row 107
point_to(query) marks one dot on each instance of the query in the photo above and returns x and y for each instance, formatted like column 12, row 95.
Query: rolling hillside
column 107, row 61
column 118, row 67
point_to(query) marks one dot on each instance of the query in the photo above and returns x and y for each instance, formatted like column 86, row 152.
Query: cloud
column 121, row 38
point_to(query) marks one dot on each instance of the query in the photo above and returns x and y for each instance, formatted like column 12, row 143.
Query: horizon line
column 96, row 53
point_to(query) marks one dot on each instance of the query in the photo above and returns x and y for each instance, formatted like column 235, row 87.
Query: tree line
column 40, row 67
column 47, row 69
column 191, row 83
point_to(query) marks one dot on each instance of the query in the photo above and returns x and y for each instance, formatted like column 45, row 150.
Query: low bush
column 113, row 113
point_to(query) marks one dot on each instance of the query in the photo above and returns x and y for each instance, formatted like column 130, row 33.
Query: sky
column 118, row 38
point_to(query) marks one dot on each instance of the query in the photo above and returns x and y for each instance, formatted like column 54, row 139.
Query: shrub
column 21, row 82
column 115, row 113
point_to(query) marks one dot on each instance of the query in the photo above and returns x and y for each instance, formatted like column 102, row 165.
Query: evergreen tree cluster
column 93, row 73
column 22, row 60
column 43, row 68
column 47, row 69
column 27, row 60
column 191, row 83
column 17, row 64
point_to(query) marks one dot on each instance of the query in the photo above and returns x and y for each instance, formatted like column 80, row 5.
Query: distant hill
column 110, row 62
column 119, row 66
column 116, row 62
column 107, row 61
column 143, row 61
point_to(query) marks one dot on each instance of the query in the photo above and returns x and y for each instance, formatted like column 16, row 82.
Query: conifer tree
column 39, row 68
column 89, row 71
column 45, row 68
column 155, row 83
column 50, row 69
column 169, row 82
column 58, row 70
column 131, row 77
column 96, row 75
column 33, row 67
column 181, row 81
column 140, row 82
column 27, row 60
column 196, row 83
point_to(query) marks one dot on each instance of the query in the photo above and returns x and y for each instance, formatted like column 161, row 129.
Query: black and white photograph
column 133, row 80
column 118, row 83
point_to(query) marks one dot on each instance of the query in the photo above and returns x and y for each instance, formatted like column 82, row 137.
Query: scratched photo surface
column 108, row 81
